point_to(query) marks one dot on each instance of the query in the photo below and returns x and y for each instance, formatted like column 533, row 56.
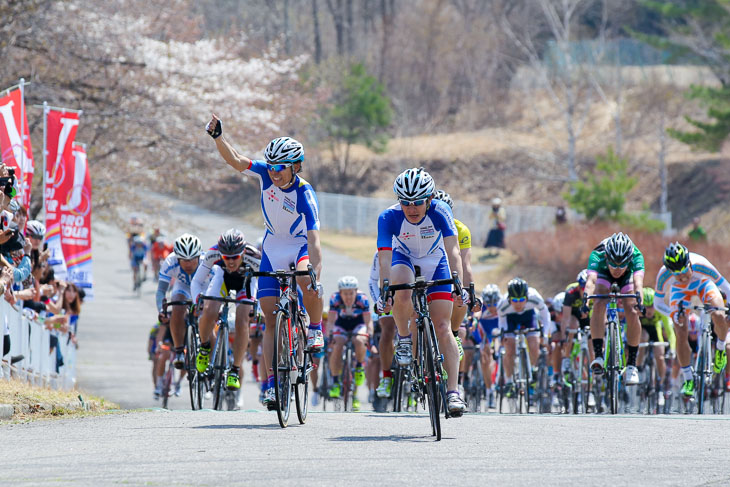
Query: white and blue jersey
column 288, row 214
column 419, row 244
column 171, row 270
column 349, row 318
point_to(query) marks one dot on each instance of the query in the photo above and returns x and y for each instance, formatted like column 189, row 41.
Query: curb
column 8, row 410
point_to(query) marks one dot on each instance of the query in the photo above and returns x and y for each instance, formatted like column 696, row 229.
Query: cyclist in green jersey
column 616, row 260
column 656, row 328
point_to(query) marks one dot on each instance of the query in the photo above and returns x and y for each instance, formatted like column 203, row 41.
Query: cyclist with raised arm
column 683, row 275
column 655, row 327
column 463, row 234
column 180, row 266
column 419, row 231
column 223, row 269
column 291, row 213
column 520, row 309
column 616, row 260
column 349, row 313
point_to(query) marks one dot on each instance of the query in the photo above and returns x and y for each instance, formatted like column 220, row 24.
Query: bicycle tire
column 585, row 380
column 323, row 381
column 191, row 352
column 347, row 379
column 476, row 385
column 500, row 380
column 301, row 387
column 167, row 383
column 652, row 398
column 701, row 366
column 432, row 386
column 219, row 367
column 282, row 369
column 397, row 389
column 613, row 365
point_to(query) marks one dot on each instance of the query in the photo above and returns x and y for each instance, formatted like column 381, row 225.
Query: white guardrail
column 32, row 340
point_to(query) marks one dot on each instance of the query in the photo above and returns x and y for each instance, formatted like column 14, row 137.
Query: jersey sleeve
column 637, row 262
column 386, row 230
column 464, row 235
column 594, row 261
column 443, row 219
column 166, row 269
column 663, row 279
column 309, row 207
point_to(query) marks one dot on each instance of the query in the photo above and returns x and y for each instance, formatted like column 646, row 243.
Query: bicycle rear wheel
column 347, row 380
column 167, row 383
column 432, row 382
column 652, row 389
column 702, row 362
column 301, row 388
column 282, row 369
column 219, row 367
column 194, row 383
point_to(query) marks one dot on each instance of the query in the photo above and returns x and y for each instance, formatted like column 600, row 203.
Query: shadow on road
column 238, row 426
column 395, row 438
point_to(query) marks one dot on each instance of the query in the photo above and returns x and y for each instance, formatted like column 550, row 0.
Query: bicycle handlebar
column 165, row 305
column 420, row 283
column 217, row 298
column 249, row 273
column 609, row 296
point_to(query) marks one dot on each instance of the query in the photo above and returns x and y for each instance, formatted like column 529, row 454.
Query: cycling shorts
column 654, row 334
column 180, row 289
column 433, row 266
column 219, row 286
column 278, row 254
column 136, row 261
column 489, row 325
column 625, row 282
column 349, row 323
column 522, row 321
column 359, row 330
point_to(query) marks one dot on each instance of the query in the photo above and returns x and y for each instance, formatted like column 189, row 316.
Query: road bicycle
column 429, row 373
column 613, row 359
column 291, row 361
column 578, row 379
column 650, row 387
column 196, row 386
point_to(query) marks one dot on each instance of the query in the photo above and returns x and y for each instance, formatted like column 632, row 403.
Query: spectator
column 561, row 216
column 495, row 237
column 697, row 233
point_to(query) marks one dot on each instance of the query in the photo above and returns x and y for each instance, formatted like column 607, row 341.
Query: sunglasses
column 230, row 257
column 420, row 202
column 614, row 266
column 518, row 300
column 278, row 167
column 680, row 271
column 35, row 237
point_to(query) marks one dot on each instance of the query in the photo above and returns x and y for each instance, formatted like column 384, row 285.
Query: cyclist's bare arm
column 451, row 245
column 466, row 263
column 385, row 257
column 591, row 284
column 315, row 252
column 229, row 154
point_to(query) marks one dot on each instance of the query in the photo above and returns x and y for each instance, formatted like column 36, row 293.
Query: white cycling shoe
column 456, row 404
column 631, row 375
column 597, row 366
column 404, row 353
column 315, row 340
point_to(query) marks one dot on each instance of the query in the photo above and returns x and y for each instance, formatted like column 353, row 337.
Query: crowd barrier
column 30, row 339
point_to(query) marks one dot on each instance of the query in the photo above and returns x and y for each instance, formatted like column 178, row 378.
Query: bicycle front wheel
column 282, row 369
column 347, row 380
column 432, row 385
column 195, row 384
column 219, row 368
column 301, row 389
column 613, row 358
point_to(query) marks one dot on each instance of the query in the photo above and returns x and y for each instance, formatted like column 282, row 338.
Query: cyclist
column 574, row 315
column 683, row 275
column 349, row 313
column 489, row 321
column 222, row 264
column 179, row 266
column 137, row 252
column 654, row 327
column 419, row 231
column 616, row 260
column 386, row 323
column 159, row 250
column 464, row 236
column 520, row 309
column 290, row 210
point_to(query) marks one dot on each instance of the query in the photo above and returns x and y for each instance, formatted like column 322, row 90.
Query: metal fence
column 359, row 215
column 32, row 340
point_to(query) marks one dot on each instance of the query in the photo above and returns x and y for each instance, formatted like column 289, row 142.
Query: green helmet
column 648, row 297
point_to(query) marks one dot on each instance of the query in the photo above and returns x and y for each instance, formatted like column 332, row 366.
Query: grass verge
column 34, row 402
column 358, row 247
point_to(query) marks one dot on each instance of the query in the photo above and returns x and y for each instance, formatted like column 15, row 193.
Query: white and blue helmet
column 284, row 149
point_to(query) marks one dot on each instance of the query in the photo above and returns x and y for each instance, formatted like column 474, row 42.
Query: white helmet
column 445, row 197
column 187, row 246
column 34, row 228
column 414, row 184
column 347, row 282
column 284, row 149
column 558, row 302
column 491, row 295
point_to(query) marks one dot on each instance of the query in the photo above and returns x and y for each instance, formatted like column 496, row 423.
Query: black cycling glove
column 214, row 129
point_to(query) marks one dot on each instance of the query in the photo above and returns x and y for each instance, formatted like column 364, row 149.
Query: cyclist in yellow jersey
column 464, row 236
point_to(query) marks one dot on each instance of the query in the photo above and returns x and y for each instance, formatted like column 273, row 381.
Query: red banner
column 75, row 211
column 16, row 149
column 60, row 163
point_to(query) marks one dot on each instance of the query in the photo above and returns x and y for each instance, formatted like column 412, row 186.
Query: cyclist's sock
column 255, row 362
column 336, row 379
column 315, row 326
column 407, row 338
column 456, row 333
column 159, row 382
column 720, row 344
column 358, row 364
column 452, row 392
column 631, row 356
column 234, row 369
column 508, row 380
column 180, row 349
column 270, row 382
column 598, row 346
column 205, row 347
column 387, row 373
column 687, row 373
column 264, row 385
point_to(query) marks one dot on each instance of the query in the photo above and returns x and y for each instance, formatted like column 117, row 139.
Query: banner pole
column 6, row 90
column 45, row 123
column 22, row 139
column 58, row 109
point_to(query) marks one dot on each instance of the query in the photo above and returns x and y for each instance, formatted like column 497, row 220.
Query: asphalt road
column 207, row 448
column 182, row 447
